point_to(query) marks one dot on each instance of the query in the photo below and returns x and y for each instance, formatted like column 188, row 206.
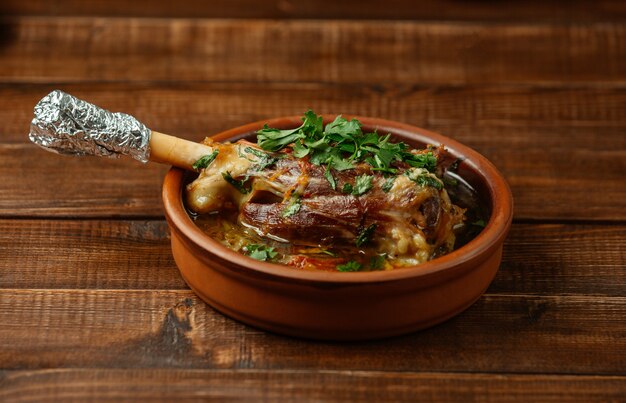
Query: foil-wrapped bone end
column 67, row 125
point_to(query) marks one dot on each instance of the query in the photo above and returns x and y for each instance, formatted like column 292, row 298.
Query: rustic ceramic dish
column 343, row 306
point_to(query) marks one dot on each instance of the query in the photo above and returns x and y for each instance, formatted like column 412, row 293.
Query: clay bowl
column 343, row 306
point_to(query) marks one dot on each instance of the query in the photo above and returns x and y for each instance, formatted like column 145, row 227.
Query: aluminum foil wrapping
column 67, row 125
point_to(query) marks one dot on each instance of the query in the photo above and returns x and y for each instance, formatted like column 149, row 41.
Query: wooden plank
column 540, row 259
column 38, row 183
column 555, row 117
column 87, row 254
column 156, row 329
column 120, row 49
column 550, row 10
column 552, row 259
column 350, row 386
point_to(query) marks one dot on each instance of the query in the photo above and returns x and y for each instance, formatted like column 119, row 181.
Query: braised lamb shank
column 292, row 200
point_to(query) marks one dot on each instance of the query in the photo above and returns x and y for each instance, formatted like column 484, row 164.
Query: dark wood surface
column 91, row 302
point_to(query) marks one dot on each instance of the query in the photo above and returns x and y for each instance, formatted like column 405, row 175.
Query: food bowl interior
column 493, row 195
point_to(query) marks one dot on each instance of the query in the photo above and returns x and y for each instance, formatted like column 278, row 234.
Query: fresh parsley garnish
column 365, row 235
column 362, row 184
column 386, row 187
column 427, row 161
column 450, row 182
column 350, row 266
column 479, row 223
column 264, row 160
column 237, row 184
column 378, row 262
column 424, row 179
column 261, row 252
column 275, row 139
column 329, row 177
column 205, row 161
column 341, row 144
column 294, row 205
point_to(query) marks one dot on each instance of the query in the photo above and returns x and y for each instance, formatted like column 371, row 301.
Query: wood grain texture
column 547, row 117
column 110, row 49
column 157, row 329
column 37, row 183
column 92, row 305
column 87, row 254
column 553, row 259
column 297, row 386
column 504, row 10
column 540, row 259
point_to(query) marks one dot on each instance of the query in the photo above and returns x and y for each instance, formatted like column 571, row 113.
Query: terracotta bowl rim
column 477, row 249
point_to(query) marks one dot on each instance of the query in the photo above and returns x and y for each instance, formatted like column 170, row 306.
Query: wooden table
column 91, row 302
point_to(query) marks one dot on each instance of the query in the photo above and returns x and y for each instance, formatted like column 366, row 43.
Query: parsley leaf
column 294, row 206
column 386, row 187
column 300, row 150
column 340, row 164
column 341, row 129
column 239, row 185
column 347, row 188
column 479, row 223
column 378, row 262
column 341, row 144
column 424, row 179
column 205, row 161
column 427, row 161
column 276, row 139
column 261, row 252
column 365, row 235
column 350, row 266
column 362, row 184
column 329, row 177
column 264, row 160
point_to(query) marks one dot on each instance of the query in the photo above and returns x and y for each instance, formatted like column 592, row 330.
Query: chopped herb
column 362, row 184
column 261, row 252
column 275, row 139
column 365, row 235
column 427, row 180
column 450, row 182
column 424, row 179
column 329, row 177
column 479, row 223
column 294, row 206
column 386, row 187
column 205, row 161
column 378, row 262
column 427, row 161
column 237, row 184
column 299, row 150
column 341, row 144
column 264, row 159
column 350, row 266
column 347, row 188
column 339, row 163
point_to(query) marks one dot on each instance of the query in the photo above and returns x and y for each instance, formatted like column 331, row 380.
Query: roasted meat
column 409, row 217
